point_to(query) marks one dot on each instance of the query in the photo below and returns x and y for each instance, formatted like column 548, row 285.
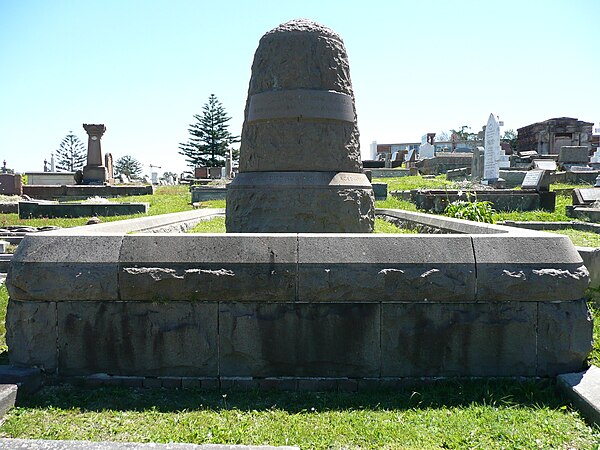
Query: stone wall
column 291, row 306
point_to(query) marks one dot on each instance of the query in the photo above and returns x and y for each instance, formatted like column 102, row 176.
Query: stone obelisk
column 300, row 166
column 94, row 172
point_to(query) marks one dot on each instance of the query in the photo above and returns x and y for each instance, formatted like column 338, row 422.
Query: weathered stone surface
column 300, row 130
column 564, row 336
column 37, row 209
column 474, row 339
column 377, row 268
column 533, row 268
column 319, row 62
column 150, row 339
column 208, row 268
column 324, row 340
column 304, row 202
column 31, row 334
column 583, row 388
column 44, row 265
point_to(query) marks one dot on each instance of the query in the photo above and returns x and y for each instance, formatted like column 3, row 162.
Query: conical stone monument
column 300, row 166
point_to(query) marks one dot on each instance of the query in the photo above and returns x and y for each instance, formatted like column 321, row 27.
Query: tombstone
column 154, row 177
column 215, row 173
column 11, row 184
column 585, row 196
column 545, row 164
column 570, row 156
column 94, row 172
column 108, row 163
column 300, row 163
column 426, row 150
column 477, row 163
column 491, row 169
column 536, row 180
column 200, row 172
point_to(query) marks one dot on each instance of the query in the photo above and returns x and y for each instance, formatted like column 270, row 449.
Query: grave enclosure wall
column 287, row 308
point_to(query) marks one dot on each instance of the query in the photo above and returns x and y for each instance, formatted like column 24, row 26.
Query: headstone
column 94, row 172
column 492, row 150
column 545, row 164
column 108, row 162
column 585, row 196
column 300, row 163
column 11, row 184
column 426, row 150
column 154, row 177
column 477, row 163
column 574, row 154
column 537, row 180
column 200, row 172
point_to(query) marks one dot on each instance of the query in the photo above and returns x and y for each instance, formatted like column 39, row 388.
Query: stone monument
column 94, row 172
column 491, row 169
column 300, row 163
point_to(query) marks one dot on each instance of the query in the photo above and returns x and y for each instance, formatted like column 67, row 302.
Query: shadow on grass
column 456, row 393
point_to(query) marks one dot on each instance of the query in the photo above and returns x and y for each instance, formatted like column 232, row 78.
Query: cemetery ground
column 496, row 413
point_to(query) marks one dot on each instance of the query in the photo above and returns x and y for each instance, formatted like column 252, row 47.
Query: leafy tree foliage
column 510, row 136
column 464, row 134
column 128, row 165
column 209, row 136
column 71, row 154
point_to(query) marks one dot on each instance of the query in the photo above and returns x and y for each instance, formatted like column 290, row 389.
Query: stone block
column 8, row 396
column 284, row 202
column 137, row 339
column 208, row 268
column 28, row 379
column 528, row 268
column 152, row 382
column 300, row 340
column 574, row 154
column 204, row 193
column 564, row 336
column 379, row 190
column 45, row 265
column 379, row 268
column 31, row 334
column 32, row 209
column 11, row 184
column 170, row 382
column 472, row 339
column 583, row 388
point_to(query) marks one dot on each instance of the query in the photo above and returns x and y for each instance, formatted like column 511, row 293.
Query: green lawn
column 445, row 415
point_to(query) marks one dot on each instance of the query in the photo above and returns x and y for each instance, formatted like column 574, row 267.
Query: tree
column 510, row 136
column 128, row 165
column 71, row 154
column 464, row 135
column 209, row 138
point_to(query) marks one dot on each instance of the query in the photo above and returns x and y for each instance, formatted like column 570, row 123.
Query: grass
column 166, row 199
column 580, row 238
column 452, row 414
column 416, row 182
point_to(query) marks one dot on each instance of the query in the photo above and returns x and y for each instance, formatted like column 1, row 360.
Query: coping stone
column 8, row 395
column 28, row 379
column 583, row 388
column 34, row 444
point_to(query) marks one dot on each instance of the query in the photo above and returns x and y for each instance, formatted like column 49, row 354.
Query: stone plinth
column 94, row 172
column 306, row 202
column 300, row 168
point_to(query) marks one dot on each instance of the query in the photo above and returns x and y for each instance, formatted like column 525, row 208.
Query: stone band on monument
column 301, row 103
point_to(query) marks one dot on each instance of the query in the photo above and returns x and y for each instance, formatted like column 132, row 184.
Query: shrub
column 471, row 210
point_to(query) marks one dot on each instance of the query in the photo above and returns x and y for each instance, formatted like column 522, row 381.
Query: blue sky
column 144, row 68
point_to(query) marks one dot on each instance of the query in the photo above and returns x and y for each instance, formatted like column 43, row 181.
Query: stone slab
column 131, row 339
column 583, row 388
column 534, row 268
column 44, row 192
column 205, row 193
column 8, row 396
column 564, row 336
column 375, row 268
column 483, row 339
column 31, row 334
column 28, row 379
column 208, row 267
column 585, row 196
column 87, row 264
column 30, row 209
column 299, row 340
column 35, row 444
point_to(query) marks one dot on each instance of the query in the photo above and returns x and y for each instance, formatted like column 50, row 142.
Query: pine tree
column 210, row 137
column 71, row 154
column 128, row 165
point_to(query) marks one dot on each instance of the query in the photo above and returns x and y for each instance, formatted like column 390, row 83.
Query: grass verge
column 452, row 414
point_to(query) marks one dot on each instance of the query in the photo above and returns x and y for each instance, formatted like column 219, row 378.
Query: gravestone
column 426, row 150
column 108, row 163
column 585, row 196
column 491, row 169
column 11, row 184
column 94, row 172
column 537, row 180
column 300, row 165
column 573, row 155
column 477, row 163
column 545, row 164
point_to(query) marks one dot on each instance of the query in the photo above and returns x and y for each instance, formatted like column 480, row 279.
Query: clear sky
column 144, row 68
